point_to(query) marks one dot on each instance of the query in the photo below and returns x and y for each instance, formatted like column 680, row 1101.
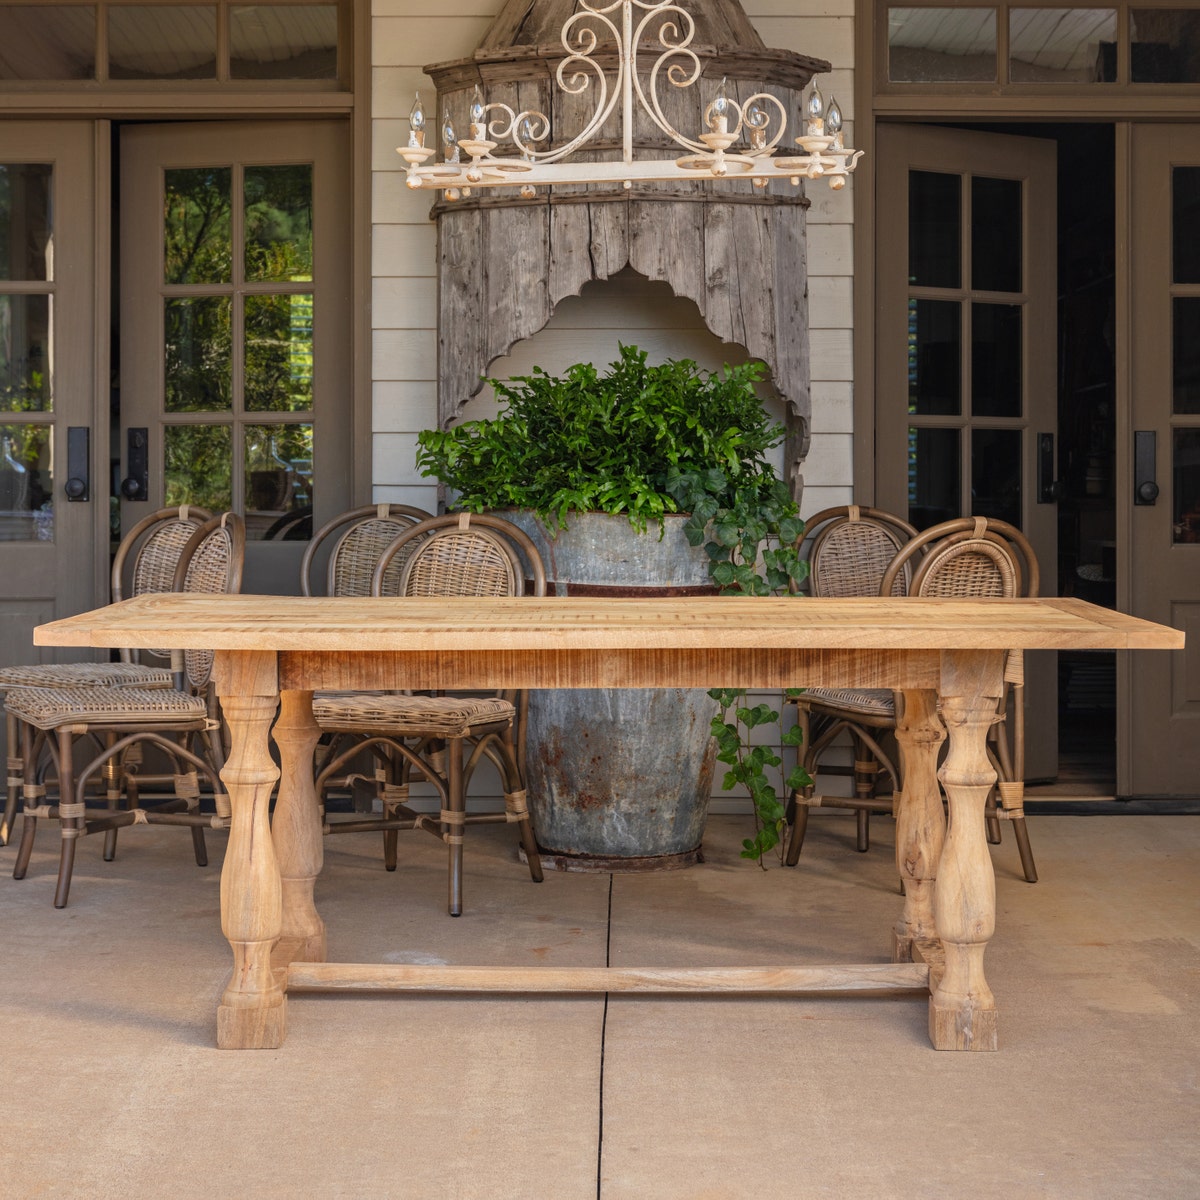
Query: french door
column 235, row 327
column 1159, row 714
column 53, row 491
column 965, row 387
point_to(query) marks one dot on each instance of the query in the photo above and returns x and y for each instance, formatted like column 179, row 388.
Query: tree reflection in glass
column 197, row 354
column 197, row 464
column 279, row 222
column 196, row 225
column 279, row 353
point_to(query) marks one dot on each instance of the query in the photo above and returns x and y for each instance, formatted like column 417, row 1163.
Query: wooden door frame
column 1118, row 105
column 168, row 101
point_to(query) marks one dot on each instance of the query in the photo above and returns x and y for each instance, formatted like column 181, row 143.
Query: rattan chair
column 848, row 549
column 181, row 721
column 442, row 738
column 354, row 541
column 339, row 561
column 966, row 557
column 145, row 561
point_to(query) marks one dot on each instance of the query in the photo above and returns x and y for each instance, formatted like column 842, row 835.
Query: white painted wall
column 409, row 33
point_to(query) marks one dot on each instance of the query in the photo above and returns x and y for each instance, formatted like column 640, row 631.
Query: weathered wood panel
column 738, row 252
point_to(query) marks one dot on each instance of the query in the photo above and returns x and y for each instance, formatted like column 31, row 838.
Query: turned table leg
column 920, row 821
column 253, row 1008
column 296, row 828
column 962, row 1011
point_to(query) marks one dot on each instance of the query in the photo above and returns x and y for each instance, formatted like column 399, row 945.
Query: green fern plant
column 647, row 440
column 639, row 439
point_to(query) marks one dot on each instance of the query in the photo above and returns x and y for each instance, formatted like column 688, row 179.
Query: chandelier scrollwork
column 739, row 139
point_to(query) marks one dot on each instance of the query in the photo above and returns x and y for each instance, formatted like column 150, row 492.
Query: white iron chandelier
column 740, row 140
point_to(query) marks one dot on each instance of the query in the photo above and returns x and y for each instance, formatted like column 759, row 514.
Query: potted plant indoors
column 638, row 478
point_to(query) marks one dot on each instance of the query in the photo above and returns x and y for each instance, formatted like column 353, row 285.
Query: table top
column 343, row 624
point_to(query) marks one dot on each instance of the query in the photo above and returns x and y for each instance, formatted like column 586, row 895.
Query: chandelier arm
column 675, row 70
column 578, row 56
column 495, row 128
column 771, row 143
column 669, row 30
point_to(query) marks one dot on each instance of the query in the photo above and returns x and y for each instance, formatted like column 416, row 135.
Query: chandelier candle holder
column 739, row 140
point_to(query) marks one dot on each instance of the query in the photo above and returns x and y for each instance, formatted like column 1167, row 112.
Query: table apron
column 302, row 670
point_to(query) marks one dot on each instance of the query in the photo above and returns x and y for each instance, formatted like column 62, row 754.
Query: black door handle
column 1145, row 485
column 136, row 484
column 79, row 439
column 1049, row 489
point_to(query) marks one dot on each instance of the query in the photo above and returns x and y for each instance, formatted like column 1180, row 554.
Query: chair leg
column 453, row 822
column 29, row 788
column 993, row 826
column 529, row 843
column 70, row 825
column 206, row 749
column 1024, row 849
column 391, row 837
column 16, row 776
column 112, row 792
column 199, row 849
column 515, row 802
column 866, row 777
column 796, row 840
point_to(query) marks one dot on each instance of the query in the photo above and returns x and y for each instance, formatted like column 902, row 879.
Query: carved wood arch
column 736, row 251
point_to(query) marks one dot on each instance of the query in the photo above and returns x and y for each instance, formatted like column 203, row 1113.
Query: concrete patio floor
column 112, row 1086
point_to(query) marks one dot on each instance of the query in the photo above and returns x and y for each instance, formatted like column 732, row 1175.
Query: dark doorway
column 1087, row 441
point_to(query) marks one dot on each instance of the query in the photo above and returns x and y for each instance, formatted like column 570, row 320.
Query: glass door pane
column 237, row 248
column 26, row 338
column 966, row 346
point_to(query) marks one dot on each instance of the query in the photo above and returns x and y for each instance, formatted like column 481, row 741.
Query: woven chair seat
column 49, row 708
column 71, row 675
column 874, row 702
column 408, row 716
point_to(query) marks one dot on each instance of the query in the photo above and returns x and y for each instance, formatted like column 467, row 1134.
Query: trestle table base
column 945, row 656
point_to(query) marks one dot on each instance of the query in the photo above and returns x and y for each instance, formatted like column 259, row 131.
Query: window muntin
column 1026, row 48
column 128, row 44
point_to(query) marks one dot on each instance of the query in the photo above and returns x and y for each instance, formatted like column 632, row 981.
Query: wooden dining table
column 272, row 652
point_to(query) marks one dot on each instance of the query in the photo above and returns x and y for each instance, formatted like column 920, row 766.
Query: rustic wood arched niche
column 737, row 251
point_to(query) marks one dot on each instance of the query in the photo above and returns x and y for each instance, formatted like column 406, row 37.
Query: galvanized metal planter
column 619, row 779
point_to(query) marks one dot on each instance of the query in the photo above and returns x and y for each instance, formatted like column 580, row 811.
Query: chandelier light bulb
column 478, row 133
column 756, row 118
column 833, row 117
column 416, row 121
column 449, row 138
column 718, row 118
column 814, row 111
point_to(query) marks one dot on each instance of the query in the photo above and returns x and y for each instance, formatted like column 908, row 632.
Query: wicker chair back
column 211, row 563
column 148, row 555
column 360, row 536
column 463, row 554
column 968, row 557
column 851, row 549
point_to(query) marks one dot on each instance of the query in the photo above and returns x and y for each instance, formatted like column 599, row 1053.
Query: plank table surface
column 272, row 652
